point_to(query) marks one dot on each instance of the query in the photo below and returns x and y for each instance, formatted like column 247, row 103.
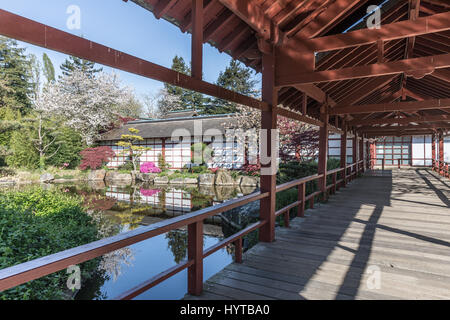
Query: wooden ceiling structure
column 394, row 80
column 367, row 78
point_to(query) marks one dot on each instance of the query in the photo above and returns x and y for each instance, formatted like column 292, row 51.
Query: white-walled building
column 173, row 137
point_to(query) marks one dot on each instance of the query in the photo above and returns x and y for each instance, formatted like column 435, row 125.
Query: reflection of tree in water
column 177, row 243
column 112, row 262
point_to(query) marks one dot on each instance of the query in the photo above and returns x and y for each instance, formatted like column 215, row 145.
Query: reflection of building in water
column 162, row 203
column 187, row 128
column 170, row 199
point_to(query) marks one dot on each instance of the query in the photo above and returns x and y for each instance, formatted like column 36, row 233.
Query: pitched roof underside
column 308, row 19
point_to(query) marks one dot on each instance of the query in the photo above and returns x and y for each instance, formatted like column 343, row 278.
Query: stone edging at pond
column 220, row 178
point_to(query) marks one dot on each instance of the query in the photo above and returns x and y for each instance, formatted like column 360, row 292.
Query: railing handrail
column 41, row 267
column 19, row 274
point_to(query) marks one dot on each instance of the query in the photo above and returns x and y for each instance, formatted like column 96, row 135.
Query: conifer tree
column 185, row 99
column 236, row 77
column 15, row 77
column 49, row 69
column 85, row 66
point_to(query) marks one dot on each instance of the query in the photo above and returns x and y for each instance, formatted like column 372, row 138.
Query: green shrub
column 295, row 170
column 126, row 167
column 36, row 223
column 24, row 154
column 70, row 146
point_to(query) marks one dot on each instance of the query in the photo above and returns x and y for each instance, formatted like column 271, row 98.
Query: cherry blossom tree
column 86, row 104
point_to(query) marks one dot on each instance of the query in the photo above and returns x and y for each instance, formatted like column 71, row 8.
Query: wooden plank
column 325, row 255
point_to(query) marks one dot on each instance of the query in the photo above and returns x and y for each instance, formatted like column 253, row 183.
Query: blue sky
column 122, row 26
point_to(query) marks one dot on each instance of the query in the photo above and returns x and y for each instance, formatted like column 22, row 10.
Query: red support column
column 373, row 154
column 441, row 153
column 433, row 151
column 268, row 122
column 344, row 153
column 355, row 151
column 323, row 151
column 361, row 153
column 197, row 39
column 195, row 253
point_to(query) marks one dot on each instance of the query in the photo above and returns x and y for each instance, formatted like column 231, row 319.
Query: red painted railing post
column 238, row 251
column 382, row 163
column 301, row 197
column 195, row 253
column 398, row 163
column 286, row 219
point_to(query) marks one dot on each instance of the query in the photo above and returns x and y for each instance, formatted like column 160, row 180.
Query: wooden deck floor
column 395, row 226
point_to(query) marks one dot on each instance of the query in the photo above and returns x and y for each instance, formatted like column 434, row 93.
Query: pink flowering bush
column 149, row 192
column 149, row 167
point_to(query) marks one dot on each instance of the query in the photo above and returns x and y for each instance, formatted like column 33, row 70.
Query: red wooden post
column 195, row 253
column 268, row 122
column 311, row 203
column 433, row 152
column 373, row 155
column 398, row 163
column 344, row 153
column 441, row 153
column 238, row 251
column 361, row 153
column 301, row 197
column 356, row 152
column 197, row 39
column 323, row 151
column 382, row 161
column 286, row 219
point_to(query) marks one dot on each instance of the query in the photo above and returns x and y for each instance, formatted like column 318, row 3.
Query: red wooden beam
column 391, row 107
column 327, row 18
column 297, row 116
column 418, row 67
column 20, row 28
column 397, row 30
column 162, row 7
column 251, row 14
column 439, row 118
column 197, row 39
column 443, row 74
column 404, row 127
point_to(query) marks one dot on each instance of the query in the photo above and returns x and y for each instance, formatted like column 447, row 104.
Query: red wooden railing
column 22, row 273
column 441, row 167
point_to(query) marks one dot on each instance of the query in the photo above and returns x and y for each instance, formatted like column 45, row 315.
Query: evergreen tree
column 15, row 76
column 49, row 69
column 238, row 78
column 187, row 99
column 74, row 63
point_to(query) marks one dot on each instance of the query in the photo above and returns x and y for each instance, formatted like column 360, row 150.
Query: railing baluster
column 195, row 253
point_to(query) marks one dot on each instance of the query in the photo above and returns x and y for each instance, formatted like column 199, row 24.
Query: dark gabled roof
column 165, row 128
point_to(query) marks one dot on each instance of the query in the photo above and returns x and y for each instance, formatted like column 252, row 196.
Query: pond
column 118, row 209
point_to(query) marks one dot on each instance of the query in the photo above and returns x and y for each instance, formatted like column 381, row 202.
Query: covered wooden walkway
column 385, row 236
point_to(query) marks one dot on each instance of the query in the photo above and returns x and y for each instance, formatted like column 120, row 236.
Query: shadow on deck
column 385, row 236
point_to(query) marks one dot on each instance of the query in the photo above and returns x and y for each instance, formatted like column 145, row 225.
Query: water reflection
column 118, row 209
